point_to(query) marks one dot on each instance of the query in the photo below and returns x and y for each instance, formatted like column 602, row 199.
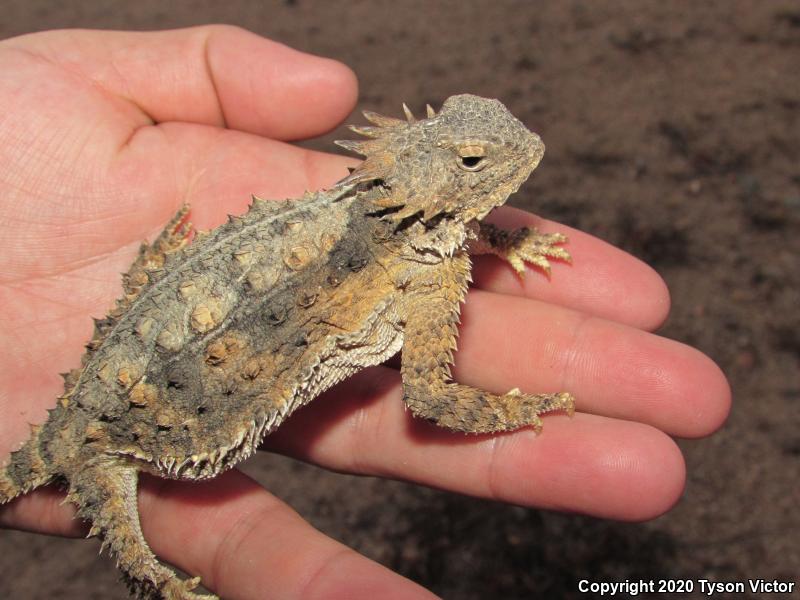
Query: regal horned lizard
column 215, row 343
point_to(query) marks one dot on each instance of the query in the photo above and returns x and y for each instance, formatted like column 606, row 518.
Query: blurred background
column 672, row 131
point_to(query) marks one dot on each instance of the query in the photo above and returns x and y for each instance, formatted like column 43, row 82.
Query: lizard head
column 465, row 160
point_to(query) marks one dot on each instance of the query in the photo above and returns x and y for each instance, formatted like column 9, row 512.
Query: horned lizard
column 216, row 342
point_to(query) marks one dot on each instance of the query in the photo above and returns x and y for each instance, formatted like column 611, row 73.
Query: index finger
column 211, row 75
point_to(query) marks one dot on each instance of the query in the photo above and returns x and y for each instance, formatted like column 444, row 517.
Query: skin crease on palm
column 104, row 134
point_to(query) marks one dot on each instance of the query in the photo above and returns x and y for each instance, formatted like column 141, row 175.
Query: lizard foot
column 529, row 406
column 181, row 589
column 529, row 245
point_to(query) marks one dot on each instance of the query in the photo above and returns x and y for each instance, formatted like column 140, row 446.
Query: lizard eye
column 472, row 158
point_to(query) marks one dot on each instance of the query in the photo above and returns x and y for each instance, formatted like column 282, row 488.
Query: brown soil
column 672, row 130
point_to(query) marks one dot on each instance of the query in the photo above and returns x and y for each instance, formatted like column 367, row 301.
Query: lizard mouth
column 496, row 200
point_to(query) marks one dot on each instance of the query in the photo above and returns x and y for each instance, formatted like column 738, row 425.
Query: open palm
column 104, row 134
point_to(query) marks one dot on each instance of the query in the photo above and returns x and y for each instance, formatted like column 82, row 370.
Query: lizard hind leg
column 105, row 492
column 174, row 237
column 150, row 261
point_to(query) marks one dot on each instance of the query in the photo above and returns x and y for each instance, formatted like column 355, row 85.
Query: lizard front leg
column 520, row 246
column 431, row 320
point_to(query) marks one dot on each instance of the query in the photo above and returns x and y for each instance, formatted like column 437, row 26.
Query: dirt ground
column 672, row 131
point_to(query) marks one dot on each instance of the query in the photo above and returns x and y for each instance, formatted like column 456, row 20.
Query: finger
column 213, row 75
column 242, row 541
column 587, row 464
column 611, row 369
column 601, row 280
column 246, row 544
column 42, row 511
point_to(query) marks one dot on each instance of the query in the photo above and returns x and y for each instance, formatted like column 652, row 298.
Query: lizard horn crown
column 400, row 149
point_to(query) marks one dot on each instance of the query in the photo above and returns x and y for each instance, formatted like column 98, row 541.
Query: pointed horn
column 352, row 146
column 431, row 112
column 381, row 120
column 409, row 115
column 366, row 130
column 354, row 178
column 255, row 202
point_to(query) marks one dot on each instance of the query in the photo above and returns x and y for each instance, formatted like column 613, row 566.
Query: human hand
column 103, row 135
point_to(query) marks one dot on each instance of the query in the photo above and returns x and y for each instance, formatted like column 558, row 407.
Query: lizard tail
column 26, row 470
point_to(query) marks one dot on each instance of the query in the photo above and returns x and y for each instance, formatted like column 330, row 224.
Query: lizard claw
column 181, row 589
column 528, row 245
column 522, row 245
